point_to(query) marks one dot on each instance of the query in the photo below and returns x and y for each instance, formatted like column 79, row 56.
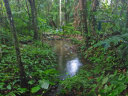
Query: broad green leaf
column 11, row 94
column 35, row 89
column 44, row 84
column 31, row 82
column 22, row 90
column 105, row 88
column 105, row 80
column 3, row 46
column 1, row 85
column 9, row 87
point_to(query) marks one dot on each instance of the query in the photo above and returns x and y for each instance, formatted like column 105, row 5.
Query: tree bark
column 34, row 18
column 127, row 16
column 93, row 19
column 16, row 43
column 84, row 20
column 1, row 7
column 27, row 9
column 60, row 11
column 66, row 13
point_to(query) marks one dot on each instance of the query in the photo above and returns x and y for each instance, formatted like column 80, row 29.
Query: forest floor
column 106, row 75
column 104, row 69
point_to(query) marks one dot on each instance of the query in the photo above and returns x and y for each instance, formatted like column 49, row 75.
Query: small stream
column 68, row 60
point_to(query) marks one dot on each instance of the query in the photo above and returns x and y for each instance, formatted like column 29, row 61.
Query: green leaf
column 106, row 88
column 3, row 46
column 105, row 80
column 1, row 85
column 35, row 89
column 31, row 82
column 44, row 84
column 22, row 90
column 11, row 94
column 9, row 87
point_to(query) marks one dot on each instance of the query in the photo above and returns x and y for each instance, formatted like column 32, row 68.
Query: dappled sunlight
column 107, row 1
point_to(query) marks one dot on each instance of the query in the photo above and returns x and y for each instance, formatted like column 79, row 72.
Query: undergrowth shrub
column 108, row 74
column 5, row 36
column 70, row 30
column 89, row 83
column 25, row 39
column 39, row 62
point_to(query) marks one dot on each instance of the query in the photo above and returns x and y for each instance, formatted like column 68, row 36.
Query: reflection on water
column 68, row 60
column 73, row 66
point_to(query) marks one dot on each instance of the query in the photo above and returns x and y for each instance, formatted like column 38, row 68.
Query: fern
column 121, row 40
column 114, row 39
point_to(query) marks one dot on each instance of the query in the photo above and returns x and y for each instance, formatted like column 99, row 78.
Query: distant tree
column 16, row 43
column 34, row 18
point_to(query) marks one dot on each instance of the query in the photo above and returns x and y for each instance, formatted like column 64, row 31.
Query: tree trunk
column 34, row 18
column 27, row 9
column 1, row 7
column 16, row 43
column 127, row 16
column 29, row 15
column 93, row 19
column 60, row 13
column 84, row 20
column 66, row 13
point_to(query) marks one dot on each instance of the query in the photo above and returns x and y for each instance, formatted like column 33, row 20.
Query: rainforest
column 63, row 48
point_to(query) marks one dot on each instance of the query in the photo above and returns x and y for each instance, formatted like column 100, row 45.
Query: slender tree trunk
column 29, row 15
column 1, row 23
column 84, row 20
column 93, row 19
column 127, row 16
column 27, row 9
column 66, row 14
column 77, row 18
column 1, row 7
column 34, row 18
column 60, row 13
column 16, row 43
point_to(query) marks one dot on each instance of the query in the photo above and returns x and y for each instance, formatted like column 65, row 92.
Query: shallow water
column 68, row 60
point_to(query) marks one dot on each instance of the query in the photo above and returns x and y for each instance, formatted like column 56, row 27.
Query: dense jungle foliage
column 97, row 29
